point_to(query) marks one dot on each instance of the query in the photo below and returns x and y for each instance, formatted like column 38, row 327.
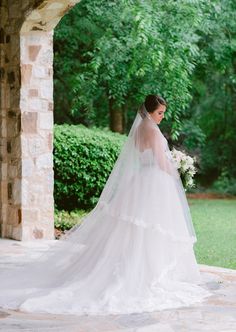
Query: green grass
column 215, row 225
column 214, row 222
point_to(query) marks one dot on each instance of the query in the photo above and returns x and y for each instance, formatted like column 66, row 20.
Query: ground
column 217, row 313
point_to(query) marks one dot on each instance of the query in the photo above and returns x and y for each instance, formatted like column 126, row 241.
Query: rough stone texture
column 215, row 314
column 26, row 117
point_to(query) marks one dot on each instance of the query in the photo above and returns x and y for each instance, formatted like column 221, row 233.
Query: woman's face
column 158, row 114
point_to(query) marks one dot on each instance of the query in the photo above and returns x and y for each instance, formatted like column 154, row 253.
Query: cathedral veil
column 140, row 230
column 144, row 153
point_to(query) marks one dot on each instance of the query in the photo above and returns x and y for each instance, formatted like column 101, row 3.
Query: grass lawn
column 215, row 225
column 214, row 222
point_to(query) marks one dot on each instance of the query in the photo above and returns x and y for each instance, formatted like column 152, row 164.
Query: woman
column 133, row 252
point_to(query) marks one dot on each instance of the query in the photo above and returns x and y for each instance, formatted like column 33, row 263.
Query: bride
column 132, row 253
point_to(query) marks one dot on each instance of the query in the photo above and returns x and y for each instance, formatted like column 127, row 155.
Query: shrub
column 225, row 184
column 65, row 220
column 83, row 160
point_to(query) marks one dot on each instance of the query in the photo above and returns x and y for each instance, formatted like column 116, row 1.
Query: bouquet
column 185, row 166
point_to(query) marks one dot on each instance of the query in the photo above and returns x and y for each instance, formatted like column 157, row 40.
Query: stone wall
column 26, row 117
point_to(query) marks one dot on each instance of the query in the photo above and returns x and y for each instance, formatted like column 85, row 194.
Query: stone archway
column 26, row 121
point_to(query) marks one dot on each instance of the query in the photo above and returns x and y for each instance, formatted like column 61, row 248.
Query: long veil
column 144, row 190
column 144, row 136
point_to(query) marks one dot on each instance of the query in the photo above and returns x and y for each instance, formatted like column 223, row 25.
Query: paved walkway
column 216, row 314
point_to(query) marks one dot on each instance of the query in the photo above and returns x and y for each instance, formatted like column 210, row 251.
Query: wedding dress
column 132, row 253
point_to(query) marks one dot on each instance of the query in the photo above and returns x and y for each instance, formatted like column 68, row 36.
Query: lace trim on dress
column 140, row 222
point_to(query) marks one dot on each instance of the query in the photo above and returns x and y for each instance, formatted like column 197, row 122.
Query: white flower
column 185, row 165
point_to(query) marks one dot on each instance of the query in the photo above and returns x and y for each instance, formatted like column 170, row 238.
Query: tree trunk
column 116, row 118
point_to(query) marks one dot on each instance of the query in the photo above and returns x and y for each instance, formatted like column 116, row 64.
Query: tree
column 128, row 49
column 214, row 90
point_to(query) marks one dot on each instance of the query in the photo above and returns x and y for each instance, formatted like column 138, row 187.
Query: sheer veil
column 145, row 153
column 142, row 197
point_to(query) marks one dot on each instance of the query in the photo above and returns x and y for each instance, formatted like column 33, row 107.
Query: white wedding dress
column 132, row 253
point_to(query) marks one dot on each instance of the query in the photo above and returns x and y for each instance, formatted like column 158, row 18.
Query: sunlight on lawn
column 215, row 224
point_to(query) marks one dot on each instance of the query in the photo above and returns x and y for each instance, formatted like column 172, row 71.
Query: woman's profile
column 133, row 252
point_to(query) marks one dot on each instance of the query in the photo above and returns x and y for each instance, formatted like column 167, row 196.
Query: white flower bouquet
column 185, row 166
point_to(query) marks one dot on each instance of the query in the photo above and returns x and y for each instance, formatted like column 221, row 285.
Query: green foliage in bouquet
column 185, row 166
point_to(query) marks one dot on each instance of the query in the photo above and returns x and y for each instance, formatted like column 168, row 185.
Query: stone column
column 27, row 205
column 26, row 128
column 36, row 105
column 26, row 116
column 10, row 122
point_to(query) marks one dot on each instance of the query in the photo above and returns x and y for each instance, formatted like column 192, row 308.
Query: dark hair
column 152, row 102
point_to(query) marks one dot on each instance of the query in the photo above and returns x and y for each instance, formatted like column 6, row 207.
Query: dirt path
column 210, row 196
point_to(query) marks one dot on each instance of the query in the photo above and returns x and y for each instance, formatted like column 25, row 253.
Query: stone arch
column 26, row 121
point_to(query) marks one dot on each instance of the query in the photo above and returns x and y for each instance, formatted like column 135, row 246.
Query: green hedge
column 83, row 160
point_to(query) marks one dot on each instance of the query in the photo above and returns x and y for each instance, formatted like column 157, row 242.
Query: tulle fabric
column 132, row 253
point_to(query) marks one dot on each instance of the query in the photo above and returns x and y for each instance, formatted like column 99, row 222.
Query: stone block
column 26, row 232
column 33, row 93
column 47, row 217
column 37, row 189
column 16, row 191
column 12, row 127
column 34, row 104
column 24, row 101
column 4, row 16
column 47, row 90
column 24, row 146
column 3, row 148
column 15, row 99
column 34, row 51
column 44, row 161
column 34, row 37
column 26, row 73
column 16, row 147
column 36, row 146
column 15, row 161
column 3, row 171
column 36, row 195
column 48, row 203
column 46, row 121
column 35, row 15
column 16, row 233
column 40, row 72
column 15, row 11
column 4, row 212
column 46, row 58
column 12, row 216
column 9, row 229
column 30, row 215
column 4, row 191
column 13, row 172
column 7, row 97
column 25, row 201
column 38, row 233
column 27, row 167
column 29, row 122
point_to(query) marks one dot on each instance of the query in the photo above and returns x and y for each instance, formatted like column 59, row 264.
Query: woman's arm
column 158, row 146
